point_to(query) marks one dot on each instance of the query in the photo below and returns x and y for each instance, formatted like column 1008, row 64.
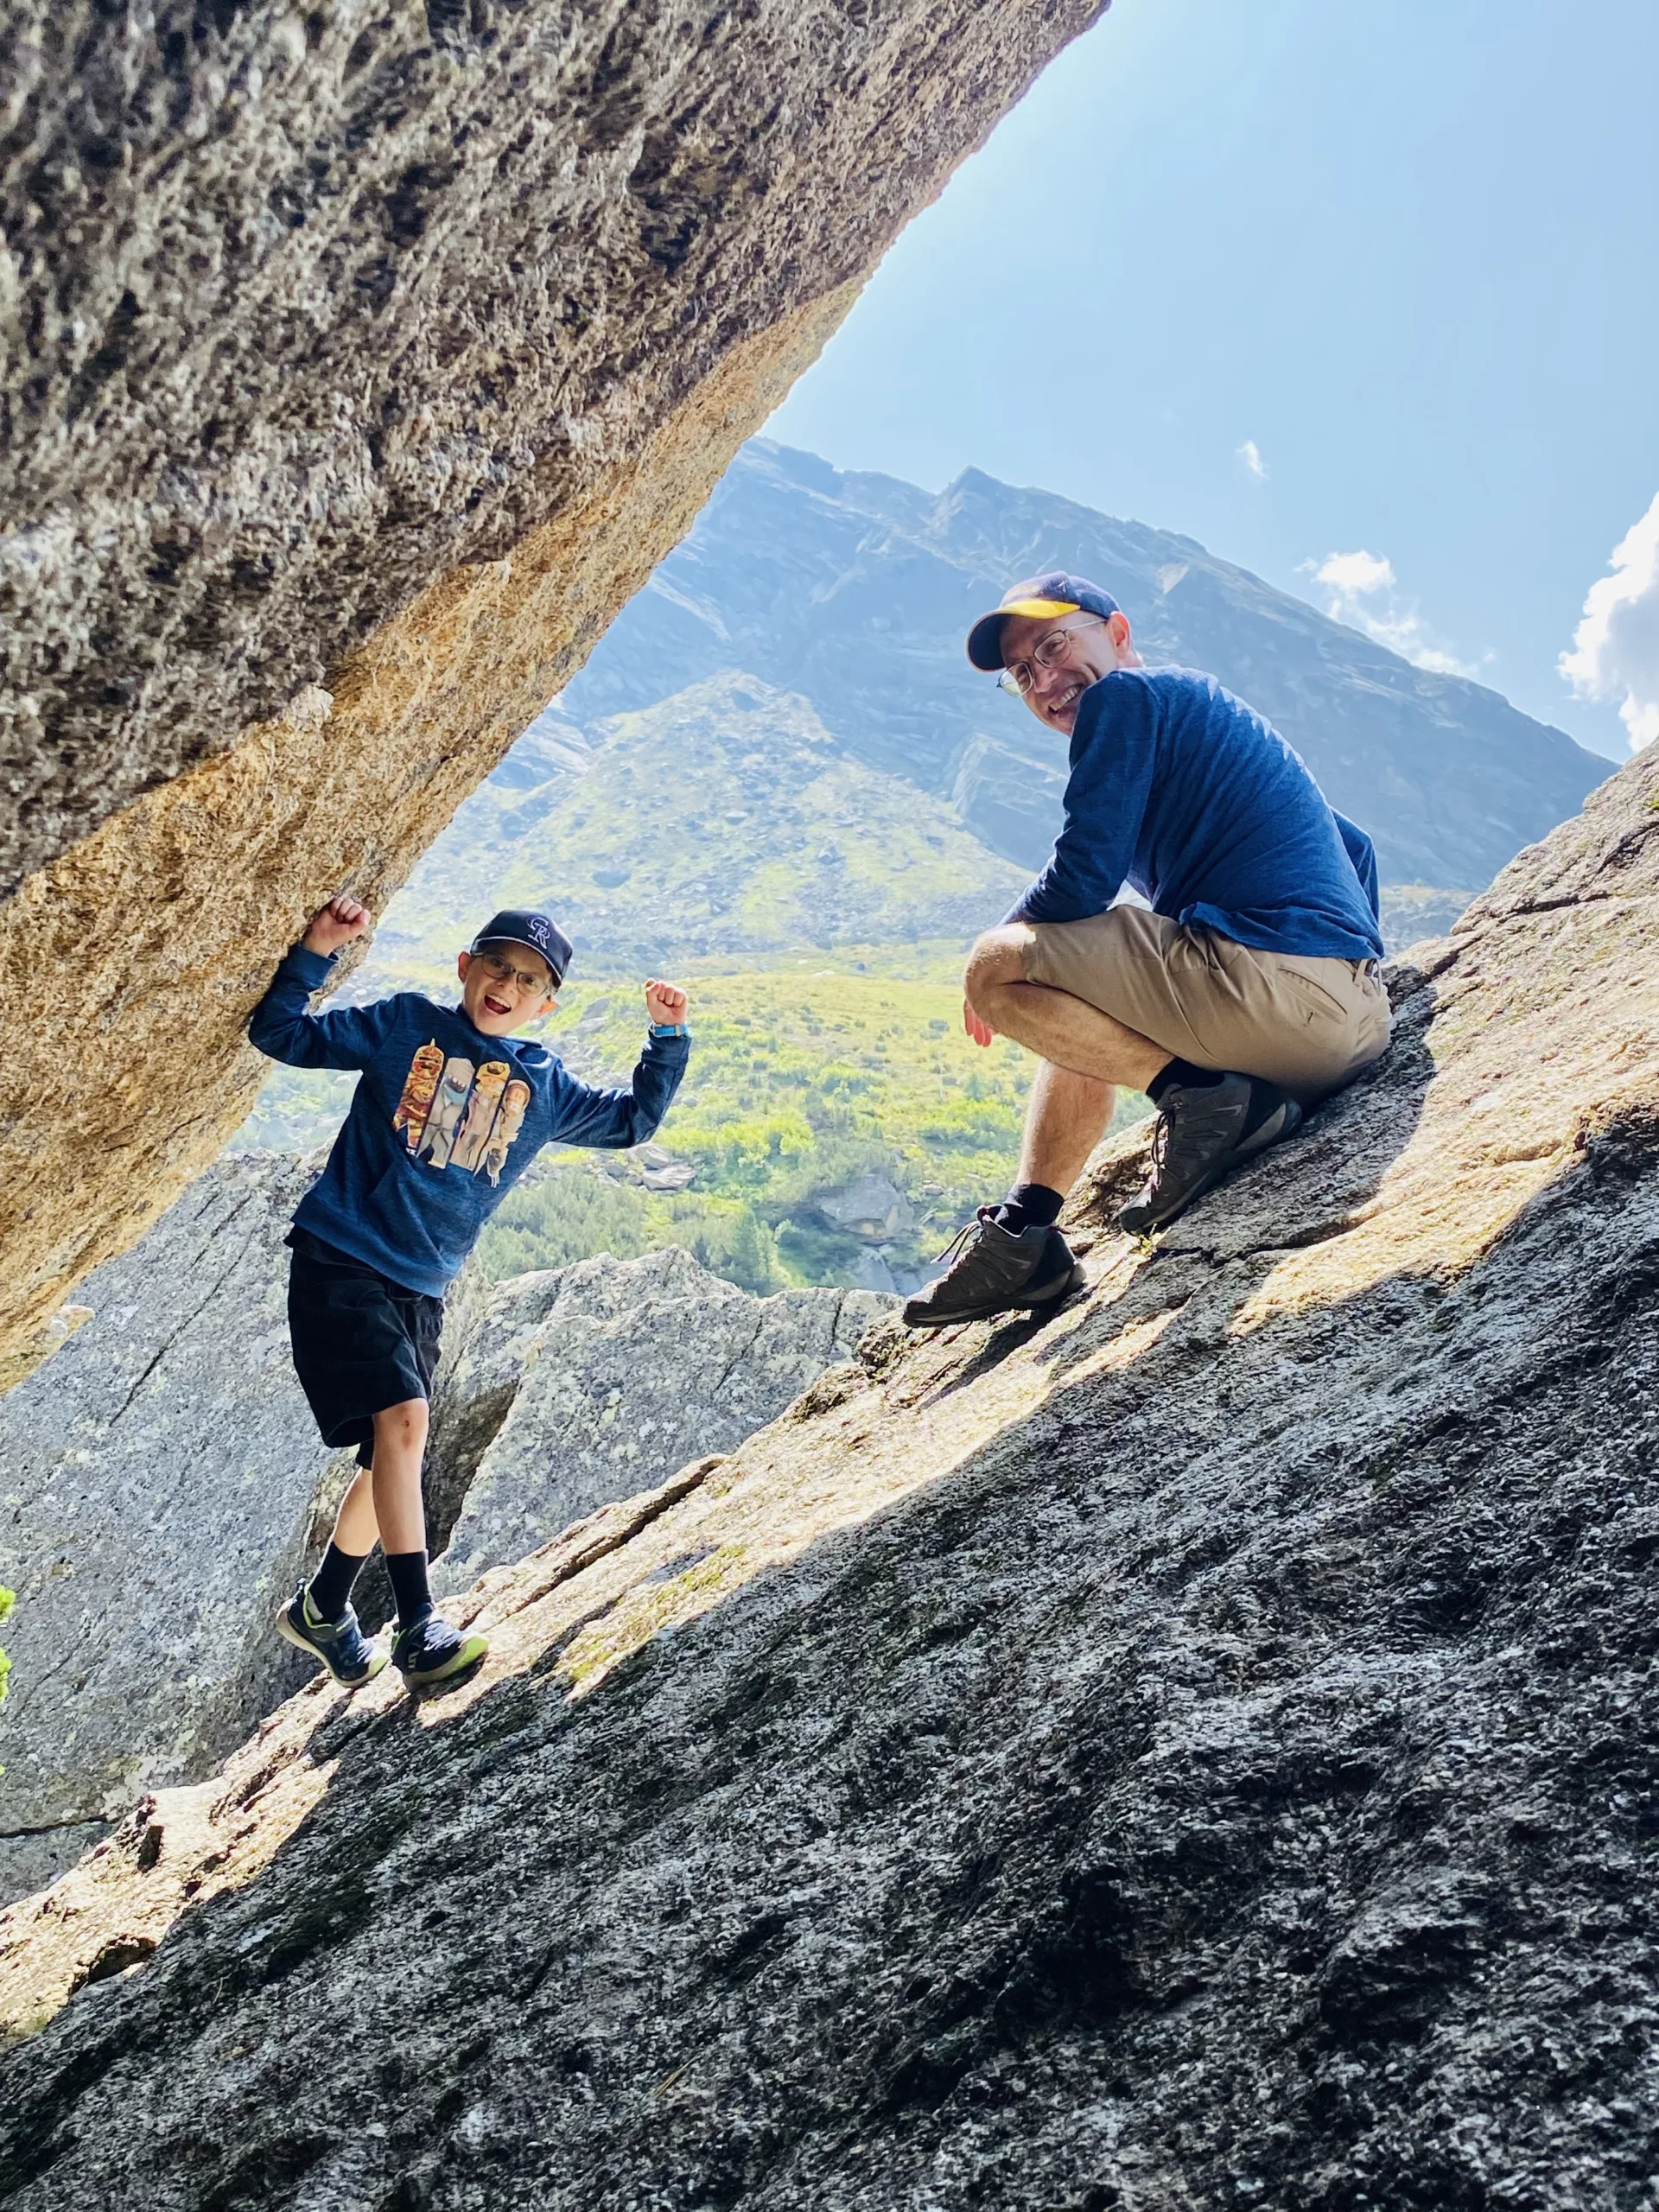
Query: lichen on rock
column 1197, row 1750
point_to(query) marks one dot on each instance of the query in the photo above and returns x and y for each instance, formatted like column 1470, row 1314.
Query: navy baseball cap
column 519, row 925
column 1042, row 597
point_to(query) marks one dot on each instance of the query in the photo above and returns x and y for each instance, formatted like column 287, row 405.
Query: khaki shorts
column 1306, row 1024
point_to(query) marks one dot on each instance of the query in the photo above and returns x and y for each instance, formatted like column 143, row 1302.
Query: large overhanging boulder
column 359, row 362
column 1199, row 1751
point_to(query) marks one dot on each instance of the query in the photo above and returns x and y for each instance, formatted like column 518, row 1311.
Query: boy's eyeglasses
column 1048, row 652
column 503, row 971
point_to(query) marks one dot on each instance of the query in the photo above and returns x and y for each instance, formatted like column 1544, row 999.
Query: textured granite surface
column 1197, row 1751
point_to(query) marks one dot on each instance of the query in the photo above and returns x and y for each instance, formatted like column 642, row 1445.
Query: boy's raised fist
column 664, row 1002
column 335, row 924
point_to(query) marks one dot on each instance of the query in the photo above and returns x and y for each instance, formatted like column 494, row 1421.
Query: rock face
column 358, row 364
column 607, row 1378
column 161, row 1482
column 1200, row 1750
column 871, row 1208
column 165, row 1486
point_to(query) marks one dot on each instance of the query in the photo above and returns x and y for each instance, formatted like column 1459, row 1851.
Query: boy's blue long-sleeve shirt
column 1182, row 792
column 444, row 1121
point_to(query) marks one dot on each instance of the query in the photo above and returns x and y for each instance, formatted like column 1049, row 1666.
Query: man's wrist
column 667, row 1029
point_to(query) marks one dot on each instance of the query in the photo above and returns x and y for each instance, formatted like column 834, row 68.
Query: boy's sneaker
column 1203, row 1130
column 430, row 1650
column 996, row 1270
column 341, row 1645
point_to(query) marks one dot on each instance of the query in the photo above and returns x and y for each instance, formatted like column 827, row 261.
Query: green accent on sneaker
column 341, row 1645
column 408, row 1649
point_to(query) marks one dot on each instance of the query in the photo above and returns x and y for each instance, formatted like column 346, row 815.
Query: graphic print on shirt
column 454, row 1114
column 474, row 1131
column 420, row 1087
column 514, row 1099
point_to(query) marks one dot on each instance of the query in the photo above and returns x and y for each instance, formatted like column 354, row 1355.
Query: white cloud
column 1355, row 575
column 1361, row 590
column 1250, row 454
column 1616, row 645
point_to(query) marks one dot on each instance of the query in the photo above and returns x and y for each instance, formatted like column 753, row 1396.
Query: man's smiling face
column 503, row 987
column 1091, row 648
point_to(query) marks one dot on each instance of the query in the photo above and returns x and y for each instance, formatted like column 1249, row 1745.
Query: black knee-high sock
column 1181, row 1073
column 331, row 1585
column 1029, row 1205
column 409, row 1587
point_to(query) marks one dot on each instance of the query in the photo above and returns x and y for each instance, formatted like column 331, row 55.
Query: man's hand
column 980, row 1031
column 664, row 1002
column 335, row 924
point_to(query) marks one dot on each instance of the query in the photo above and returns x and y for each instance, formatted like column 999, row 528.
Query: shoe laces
column 968, row 1230
column 1161, row 1136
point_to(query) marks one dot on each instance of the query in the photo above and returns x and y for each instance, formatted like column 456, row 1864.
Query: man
column 1248, row 993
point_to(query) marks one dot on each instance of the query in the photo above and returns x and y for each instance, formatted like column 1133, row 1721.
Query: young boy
column 450, row 1111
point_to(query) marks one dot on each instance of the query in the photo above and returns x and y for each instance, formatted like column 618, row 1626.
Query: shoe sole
column 1259, row 1141
column 1026, row 1303
column 289, row 1634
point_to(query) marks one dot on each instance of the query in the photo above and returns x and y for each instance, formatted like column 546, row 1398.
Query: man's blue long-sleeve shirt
column 444, row 1121
column 1182, row 792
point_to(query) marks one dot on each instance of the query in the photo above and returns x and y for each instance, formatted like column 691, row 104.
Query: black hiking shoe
column 1203, row 1131
column 997, row 1270
column 341, row 1645
column 431, row 1651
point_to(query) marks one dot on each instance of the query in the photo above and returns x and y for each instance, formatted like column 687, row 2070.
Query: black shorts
column 360, row 1342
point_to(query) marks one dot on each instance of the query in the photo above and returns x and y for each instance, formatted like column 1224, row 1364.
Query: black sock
column 1181, row 1072
column 331, row 1585
column 409, row 1587
column 1029, row 1205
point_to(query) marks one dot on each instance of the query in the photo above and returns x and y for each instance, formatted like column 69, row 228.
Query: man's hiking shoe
column 341, row 1645
column 996, row 1270
column 1203, row 1131
column 430, row 1650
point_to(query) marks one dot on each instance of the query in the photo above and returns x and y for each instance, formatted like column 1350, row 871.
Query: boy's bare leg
column 1066, row 1118
column 399, row 1447
column 355, row 1526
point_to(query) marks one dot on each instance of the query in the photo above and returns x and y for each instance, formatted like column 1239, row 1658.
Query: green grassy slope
column 721, row 823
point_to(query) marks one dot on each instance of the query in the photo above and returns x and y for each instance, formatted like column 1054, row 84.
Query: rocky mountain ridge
column 1196, row 1750
column 855, row 591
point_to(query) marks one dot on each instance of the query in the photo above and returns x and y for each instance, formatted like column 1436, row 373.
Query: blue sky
column 1306, row 278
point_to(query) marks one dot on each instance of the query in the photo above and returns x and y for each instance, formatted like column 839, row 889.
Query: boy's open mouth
column 495, row 1005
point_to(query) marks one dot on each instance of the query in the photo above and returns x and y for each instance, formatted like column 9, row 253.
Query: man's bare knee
column 999, row 958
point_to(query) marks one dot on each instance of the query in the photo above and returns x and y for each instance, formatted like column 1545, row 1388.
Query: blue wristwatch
column 668, row 1029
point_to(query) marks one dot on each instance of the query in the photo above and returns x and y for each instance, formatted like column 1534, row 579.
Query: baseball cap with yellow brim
column 1044, row 598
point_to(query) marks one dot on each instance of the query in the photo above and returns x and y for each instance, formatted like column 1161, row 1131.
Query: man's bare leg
column 1067, row 1032
column 1066, row 1116
column 1018, row 1258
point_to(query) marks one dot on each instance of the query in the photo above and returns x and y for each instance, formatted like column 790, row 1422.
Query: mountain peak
column 855, row 591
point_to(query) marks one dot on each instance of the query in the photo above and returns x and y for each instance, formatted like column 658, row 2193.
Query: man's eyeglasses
column 503, row 971
column 1048, row 652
